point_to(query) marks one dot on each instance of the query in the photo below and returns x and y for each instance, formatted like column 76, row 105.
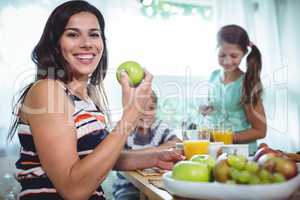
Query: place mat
column 151, row 172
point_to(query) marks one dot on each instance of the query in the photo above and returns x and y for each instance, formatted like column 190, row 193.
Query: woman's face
column 230, row 56
column 81, row 44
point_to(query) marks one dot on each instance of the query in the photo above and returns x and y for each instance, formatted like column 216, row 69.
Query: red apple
column 266, row 150
column 268, row 162
column 286, row 167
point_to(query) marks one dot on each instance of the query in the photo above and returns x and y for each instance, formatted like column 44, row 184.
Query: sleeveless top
column 90, row 131
column 226, row 101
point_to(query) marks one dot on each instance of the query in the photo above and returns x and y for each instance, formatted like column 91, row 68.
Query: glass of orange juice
column 223, row 135
column 196, row 142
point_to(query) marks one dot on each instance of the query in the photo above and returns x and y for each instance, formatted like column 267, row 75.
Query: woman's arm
column 257, row 119
column 55, row 139
column 164, row 159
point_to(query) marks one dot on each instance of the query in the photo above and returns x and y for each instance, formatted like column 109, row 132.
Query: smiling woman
column 65, row 108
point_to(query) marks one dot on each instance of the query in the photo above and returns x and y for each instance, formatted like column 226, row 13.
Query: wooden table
column 147, row 190
column 149, row 187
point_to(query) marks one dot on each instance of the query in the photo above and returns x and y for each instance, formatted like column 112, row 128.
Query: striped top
column 90, row 130
column 158, row 134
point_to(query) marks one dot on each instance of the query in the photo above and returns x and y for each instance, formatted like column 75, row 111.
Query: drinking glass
column 223, row 132
column 196, row 142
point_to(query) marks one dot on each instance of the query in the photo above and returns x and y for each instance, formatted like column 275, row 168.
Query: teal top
column 226, row 101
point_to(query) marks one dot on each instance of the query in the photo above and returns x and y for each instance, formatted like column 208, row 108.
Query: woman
column 236, row 95
column 66, row 148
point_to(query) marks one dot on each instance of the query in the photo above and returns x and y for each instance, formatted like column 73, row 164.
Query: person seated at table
column 150, row 135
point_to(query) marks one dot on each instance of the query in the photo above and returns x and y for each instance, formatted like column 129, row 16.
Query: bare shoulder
column 45, row 87
column 46, row 95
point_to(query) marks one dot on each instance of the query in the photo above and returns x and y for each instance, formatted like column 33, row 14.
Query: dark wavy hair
column 252, row 86
column 51, row 64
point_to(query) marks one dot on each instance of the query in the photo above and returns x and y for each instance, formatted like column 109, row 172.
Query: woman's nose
column 85, row 42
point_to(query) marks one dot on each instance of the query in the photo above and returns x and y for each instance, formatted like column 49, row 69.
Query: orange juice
column 223, row 136
column 193, row 147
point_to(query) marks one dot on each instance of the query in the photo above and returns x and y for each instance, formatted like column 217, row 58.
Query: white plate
column 217, row 190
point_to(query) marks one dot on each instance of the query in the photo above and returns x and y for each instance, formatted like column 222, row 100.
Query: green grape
column 244, row 177
column 265, row 176
column 240, row 163
column 251, row 166
column 278, row 178
column 232, row 160
column 234, row 173
column 254, row 179
column 237, row 162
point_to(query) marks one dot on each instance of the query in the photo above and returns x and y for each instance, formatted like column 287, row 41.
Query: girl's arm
column 257, row 119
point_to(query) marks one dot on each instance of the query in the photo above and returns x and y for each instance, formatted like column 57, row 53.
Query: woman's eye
column 95, row 35
column 221, row 56
column 72, row 35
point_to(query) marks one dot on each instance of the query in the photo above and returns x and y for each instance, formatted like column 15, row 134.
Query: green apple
column 134, row 70
column 191, row 171
column 207, row 159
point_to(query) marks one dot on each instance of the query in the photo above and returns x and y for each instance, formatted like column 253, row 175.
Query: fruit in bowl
column 269, row 169
column 134, row 70
column 207, row 159
column 221, row 171
column 191, row 171
column 286, row 167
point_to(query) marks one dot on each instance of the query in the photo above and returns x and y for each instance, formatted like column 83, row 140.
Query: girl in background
column 236, row 95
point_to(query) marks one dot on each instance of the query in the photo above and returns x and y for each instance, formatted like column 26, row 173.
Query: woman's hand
column 134, row 98
column 166, row 159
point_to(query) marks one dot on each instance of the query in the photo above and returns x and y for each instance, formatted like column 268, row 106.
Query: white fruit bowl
column 215, row 190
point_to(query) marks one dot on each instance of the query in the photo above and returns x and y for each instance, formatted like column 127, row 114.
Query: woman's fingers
column 168, row 158
column 148, row 76
column 124, row 80
column 146, row 84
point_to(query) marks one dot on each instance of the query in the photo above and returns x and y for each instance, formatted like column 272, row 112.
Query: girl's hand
column 206, row 110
